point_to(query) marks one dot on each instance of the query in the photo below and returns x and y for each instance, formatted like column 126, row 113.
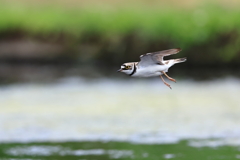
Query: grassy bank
column 208, row 27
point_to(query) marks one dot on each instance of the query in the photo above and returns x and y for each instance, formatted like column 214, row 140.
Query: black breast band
column 134, row 69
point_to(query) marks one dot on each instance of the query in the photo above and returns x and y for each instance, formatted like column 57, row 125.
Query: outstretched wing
column 156, row 57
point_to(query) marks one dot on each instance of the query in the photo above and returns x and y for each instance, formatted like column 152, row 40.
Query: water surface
column 104, row 118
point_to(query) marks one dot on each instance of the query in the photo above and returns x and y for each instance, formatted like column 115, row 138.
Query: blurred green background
column 104, row 34
column 61, row 98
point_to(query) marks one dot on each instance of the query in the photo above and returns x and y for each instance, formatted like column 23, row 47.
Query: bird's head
column 127, row 68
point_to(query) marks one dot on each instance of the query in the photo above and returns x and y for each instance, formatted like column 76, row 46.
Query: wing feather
column 156, row 57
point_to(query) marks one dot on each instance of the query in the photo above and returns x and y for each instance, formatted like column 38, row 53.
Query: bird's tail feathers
column 180, row 60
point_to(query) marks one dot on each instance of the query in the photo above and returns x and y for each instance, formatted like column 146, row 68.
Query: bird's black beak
column 120, row 70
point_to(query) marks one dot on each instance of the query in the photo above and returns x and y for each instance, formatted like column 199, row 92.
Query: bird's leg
column 165, row 82
column 171, row 79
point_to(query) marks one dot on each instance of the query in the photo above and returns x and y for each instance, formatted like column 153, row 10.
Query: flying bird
column 152, row 64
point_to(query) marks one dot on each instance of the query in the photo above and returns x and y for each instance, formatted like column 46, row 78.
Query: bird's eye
column 127, row 67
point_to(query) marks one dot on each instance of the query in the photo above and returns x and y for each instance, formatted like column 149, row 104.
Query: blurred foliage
column 208, row 31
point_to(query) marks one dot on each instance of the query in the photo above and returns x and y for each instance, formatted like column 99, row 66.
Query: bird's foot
column 171, row 79
column 168, row 85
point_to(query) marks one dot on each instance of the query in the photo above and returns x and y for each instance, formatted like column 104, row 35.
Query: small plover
column 152, row 64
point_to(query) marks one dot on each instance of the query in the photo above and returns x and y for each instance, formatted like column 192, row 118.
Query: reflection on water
column 139, row 111
column 214, row 142
column 115, row 150
column 40, row 150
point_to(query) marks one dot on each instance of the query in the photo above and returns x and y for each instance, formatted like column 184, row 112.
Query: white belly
column 150, row 71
